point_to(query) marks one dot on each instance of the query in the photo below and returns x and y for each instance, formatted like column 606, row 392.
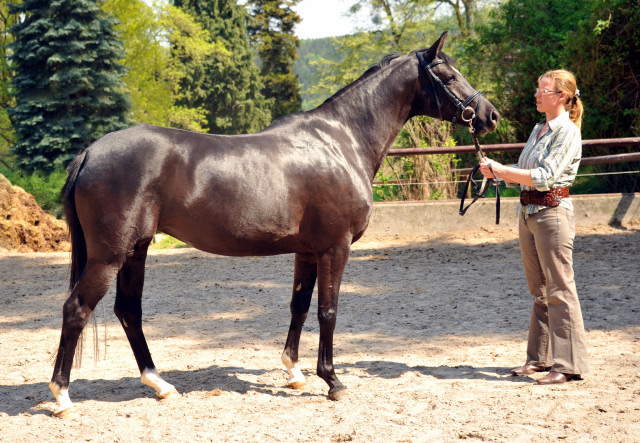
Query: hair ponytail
column 575, row 111
column 566, row 82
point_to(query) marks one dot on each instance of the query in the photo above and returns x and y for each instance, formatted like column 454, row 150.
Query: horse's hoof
column 173, row 393
column 66, row 413
column 300, row 385
column 337, row 394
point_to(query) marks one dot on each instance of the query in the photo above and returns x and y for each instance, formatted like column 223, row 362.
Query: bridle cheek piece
column 462, row 106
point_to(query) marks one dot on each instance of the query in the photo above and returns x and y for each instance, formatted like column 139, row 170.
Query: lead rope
column 479, row 189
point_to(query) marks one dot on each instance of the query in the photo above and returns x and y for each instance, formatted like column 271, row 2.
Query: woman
column 546, row 168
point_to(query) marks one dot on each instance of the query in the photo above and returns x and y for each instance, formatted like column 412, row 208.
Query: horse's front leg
column 331, row 265
column 304, row 279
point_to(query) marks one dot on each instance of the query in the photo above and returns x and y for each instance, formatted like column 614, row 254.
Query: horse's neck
column 375, row 111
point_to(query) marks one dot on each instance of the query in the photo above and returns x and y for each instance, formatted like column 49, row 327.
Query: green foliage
column 271, row 29
column 7, row 20
column 341, row 60
column 311, row 54
column 603, row 53
column 397, row 24
column 157, row 43
column 228, row 88
column 67, row 84
column 519, row 41
column 44, row 186
column 163, row 241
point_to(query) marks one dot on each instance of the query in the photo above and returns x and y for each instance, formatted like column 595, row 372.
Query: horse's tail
column 78, row 243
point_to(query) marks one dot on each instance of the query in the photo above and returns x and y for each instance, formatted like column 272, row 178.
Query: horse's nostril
column 495, row 116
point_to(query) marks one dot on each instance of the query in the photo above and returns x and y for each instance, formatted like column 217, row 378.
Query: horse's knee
column 327, row 315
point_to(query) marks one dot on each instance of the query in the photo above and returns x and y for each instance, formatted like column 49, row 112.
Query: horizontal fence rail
column 506, row 147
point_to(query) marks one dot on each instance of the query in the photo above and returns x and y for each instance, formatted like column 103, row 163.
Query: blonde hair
column 566, row 82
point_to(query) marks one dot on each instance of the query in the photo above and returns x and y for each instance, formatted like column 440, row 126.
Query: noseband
column 462, row 106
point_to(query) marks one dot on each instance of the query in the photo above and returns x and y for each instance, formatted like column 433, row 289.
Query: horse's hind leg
column 303, row 282
column 128, row 309
column 84, row 297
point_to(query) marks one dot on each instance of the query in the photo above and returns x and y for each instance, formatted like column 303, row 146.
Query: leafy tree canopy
column 604, row 53
column 272, row 30
column 229, row 88
column 7, row 20
column 158, row 44
column 519, row 41
column 396, row 26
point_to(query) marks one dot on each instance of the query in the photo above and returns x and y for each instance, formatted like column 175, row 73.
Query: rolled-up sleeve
column 564, row 153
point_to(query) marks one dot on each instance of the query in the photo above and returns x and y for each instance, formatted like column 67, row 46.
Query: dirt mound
column 24, row 226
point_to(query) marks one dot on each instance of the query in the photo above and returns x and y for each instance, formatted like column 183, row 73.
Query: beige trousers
column 556, row 331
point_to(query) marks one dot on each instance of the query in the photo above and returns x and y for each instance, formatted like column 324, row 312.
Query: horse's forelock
column 447, row 58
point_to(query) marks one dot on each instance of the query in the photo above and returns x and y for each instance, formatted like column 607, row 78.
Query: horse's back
column 255, row 194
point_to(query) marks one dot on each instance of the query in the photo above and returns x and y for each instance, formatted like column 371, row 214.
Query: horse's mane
column 385, row 61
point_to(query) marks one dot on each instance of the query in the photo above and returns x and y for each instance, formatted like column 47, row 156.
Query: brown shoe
column 528, row 370
column 556, row 378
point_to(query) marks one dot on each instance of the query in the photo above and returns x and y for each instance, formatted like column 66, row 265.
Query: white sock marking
column 150, row 377
column 295, row 373
column 62, row 398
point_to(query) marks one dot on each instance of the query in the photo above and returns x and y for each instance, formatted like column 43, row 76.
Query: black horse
column 302, row 185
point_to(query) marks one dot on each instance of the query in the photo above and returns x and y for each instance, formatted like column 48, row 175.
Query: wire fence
column 506, row 147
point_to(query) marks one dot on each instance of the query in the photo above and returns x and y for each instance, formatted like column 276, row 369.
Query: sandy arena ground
column 428, row 329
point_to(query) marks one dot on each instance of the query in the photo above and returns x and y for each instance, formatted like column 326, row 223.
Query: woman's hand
column 484, row 167
column 510, row 175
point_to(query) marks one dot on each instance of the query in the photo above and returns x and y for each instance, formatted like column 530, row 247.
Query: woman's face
column 548, row 98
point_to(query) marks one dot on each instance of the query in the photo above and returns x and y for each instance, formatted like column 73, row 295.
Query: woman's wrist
column 498, row 170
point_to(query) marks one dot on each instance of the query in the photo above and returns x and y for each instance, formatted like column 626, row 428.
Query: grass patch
column 164, row 241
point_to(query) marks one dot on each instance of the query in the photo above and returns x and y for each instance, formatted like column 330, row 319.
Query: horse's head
column 447, row 95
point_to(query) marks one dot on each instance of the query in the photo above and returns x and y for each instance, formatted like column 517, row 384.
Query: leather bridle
column 462, row 106
column 438, row 84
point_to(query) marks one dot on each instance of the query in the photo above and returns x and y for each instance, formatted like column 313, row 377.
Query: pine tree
column 229, row 87
column 271, row 29
column 68, row 84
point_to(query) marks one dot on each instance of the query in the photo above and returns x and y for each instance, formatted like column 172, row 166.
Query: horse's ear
column 435, row 49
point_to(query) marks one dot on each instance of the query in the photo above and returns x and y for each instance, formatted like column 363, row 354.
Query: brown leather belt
column 549, row 198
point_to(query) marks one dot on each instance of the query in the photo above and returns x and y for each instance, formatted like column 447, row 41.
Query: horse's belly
column 236, row 236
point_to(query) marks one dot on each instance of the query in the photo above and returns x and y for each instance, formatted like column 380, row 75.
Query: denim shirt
column 553, row 158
